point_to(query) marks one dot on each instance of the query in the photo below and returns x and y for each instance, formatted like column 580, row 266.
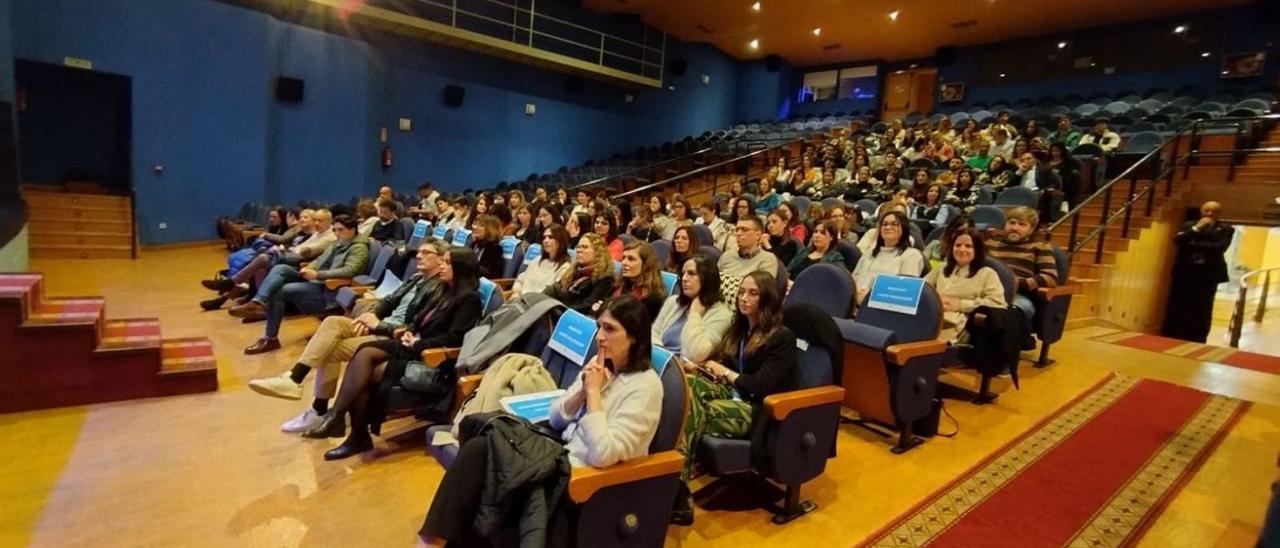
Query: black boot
column 334, row 425
column 355, row 444
column 221, row 285
column 682, row 511
column 214, row 303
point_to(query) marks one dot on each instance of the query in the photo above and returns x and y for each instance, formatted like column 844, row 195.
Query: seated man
column 388, row 228
column 1102, row 136
column 346, row 258
column 749, row 257
column 1036, row 177
column 339, row 336
column 1030, row 260
column 426, row 207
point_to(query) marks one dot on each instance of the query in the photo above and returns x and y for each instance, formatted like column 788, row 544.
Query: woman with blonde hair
column 590, row 281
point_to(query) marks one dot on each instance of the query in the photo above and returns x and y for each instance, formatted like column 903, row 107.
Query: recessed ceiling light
column 1179, row 29
column 1205, row 54
column 1062, row 45
column 1002, row 75
column 893, row 15
column 900, row 72
column 755, row 6
column 817, row 31
column 913, row 65
column 754, row 44
column 1093, row 64
column 1224, row 73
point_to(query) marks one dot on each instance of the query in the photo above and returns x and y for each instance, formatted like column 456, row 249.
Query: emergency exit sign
column 76, row 62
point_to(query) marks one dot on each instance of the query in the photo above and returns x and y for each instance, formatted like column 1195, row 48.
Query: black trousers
column 458, row 498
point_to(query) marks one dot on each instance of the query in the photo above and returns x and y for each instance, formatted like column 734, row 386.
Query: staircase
column 65, row 225
column 63, row 351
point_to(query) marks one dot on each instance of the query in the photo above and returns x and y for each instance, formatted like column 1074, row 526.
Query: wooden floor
column 214, row 470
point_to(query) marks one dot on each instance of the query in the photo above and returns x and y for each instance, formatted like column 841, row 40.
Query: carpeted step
column 130, row 333
column 186, row 356
column 18, row 286
column 79, row 310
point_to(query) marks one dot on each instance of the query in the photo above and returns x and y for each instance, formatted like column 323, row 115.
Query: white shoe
column 307, row 420
column 281, row 386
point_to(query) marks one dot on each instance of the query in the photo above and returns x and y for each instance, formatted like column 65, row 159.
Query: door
column 908, row 91
column 924, row 87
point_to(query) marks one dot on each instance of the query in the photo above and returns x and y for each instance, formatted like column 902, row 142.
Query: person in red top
column 607, row 227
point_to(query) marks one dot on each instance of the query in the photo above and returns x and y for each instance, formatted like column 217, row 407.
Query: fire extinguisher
column 386, row 157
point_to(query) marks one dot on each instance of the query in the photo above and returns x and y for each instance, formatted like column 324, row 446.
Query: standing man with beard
column 1197, row 271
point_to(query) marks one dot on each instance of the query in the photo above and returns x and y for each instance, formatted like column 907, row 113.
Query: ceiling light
column 1205, row 54
column 913, row 65
column 1224, row 73
column 1179, row 29
column 754, row 44
column 817, row 31
column 900, row 72
column 1093, row 64
column 755, row 6
column 1062, row 45
column 893, row 15
column 1002, row 75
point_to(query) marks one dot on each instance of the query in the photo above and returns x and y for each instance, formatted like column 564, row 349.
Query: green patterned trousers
column 712, row 412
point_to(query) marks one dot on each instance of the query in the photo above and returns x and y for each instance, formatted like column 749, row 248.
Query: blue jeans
column 285, row 285
column 1025, row 304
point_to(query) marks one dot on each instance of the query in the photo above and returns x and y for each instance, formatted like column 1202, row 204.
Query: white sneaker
column 281, row 386
column 307, row 420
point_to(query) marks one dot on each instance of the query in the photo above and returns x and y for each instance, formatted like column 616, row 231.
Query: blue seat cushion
column 868, row 336
column 444, row 454
column 721, row 456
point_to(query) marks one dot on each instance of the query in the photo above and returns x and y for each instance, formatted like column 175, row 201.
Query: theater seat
column 1052, row 306
column 825, row 286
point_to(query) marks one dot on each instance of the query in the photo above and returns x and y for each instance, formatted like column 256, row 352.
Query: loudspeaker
column 453, row 95
column 944, row 55
column 574, row 84
column 289, row 89
column 679, row 66
column 1268, row 11
column 772, row 63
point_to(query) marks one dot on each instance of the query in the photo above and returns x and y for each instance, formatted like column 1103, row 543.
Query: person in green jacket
column 305, row 287
column 1065, row 133
column 982, row 159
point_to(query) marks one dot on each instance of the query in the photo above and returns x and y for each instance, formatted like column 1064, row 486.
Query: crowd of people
column 735, row 257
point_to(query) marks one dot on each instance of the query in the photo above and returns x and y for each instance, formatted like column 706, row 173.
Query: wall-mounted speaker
column 772, row 63
column 944, row 56
column 679, row 66
column 454, row 95
column 574, row 84
column 289, row 90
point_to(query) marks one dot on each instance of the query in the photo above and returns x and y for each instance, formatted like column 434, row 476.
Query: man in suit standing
column 1042, row 179
column 1197, row 271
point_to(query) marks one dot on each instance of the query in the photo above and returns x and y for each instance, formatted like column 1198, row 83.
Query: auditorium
column 640, row 273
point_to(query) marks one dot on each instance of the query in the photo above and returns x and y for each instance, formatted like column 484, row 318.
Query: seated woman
column 602, row 422
column 681, row 212
column 821, row 249
column 606, row 226
column 936, row 251
column 780, row 242
column 552, row 265
column 721, row 232
column 641, row 277
column 641, row 226
column 590, row 281
column 662, row 225
column 683, row 246
column 963, row 195
column 577, row 225
column 757, row 358
column 378, row 366
column 525, row 230
column 931, row 212
column 892, row 254
column 693, row 321
column 485, row 235
column 998, row 175
column 965, row 284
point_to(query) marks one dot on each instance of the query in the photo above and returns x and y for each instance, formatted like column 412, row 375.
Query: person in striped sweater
column 1030, row 260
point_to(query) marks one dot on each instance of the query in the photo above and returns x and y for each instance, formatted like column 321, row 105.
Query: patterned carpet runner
column 1195, row 351
column 1095, row 473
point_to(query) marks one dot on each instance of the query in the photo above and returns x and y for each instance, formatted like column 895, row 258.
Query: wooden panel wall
column 1134, row 291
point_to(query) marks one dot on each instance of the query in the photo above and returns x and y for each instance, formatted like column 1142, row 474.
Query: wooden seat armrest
column 900, row 354
column 468, row 384
column 504, row 283
column 780, row 405
column 332, row 284
column 585, row 481
column 1049, row 293
column 433, row 357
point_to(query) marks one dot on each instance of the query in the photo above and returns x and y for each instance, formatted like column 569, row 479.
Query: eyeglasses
column 888, row 224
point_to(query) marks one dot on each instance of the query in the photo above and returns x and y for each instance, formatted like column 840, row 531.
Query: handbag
column 435, row 382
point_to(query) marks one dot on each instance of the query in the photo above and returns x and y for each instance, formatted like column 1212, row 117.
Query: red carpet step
column 63, row 351
column 1098, row 472
column 1197, row 351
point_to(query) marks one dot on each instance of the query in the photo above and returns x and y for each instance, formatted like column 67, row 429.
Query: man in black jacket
column 1197, row 271
column 339, row 337
column 1031, row 174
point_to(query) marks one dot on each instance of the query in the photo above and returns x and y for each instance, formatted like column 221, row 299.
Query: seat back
column 490, row 296
column 1006, row 276
column 703, row 234
column 512, row 257
column 936, row 233
column 917, row 236
column 986, row 216
column 867, row 206
column 924, row 325
column 626, row 238
column 675, row 398
column 828, row 203
column 379, row 257
column 825, row 286
column 563, row 368
column 1063, row 261
column 850, row 252
column 1018, row 196
column 711, row 252
column 410, row 267
column 662, row 250
column 408, row 225
column 802, row 204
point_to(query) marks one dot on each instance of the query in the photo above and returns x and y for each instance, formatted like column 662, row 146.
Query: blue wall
column 204, row 108
column 763, row 95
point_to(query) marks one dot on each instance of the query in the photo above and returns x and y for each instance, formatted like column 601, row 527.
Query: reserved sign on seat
column 896, row 293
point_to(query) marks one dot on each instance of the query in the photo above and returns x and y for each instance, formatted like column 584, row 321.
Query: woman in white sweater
column 892, row 254
column 693, row 321
column 965, row 284
column 550, row 267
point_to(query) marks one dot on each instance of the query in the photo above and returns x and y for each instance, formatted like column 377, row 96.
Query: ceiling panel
column 863, row 29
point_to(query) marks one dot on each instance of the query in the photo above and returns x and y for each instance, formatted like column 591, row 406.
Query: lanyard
column 742, row 353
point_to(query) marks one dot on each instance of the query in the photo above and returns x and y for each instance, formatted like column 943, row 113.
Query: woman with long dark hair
column 965, row 283
column 892, row 253
column 378, row 366
column 551, row 266
column 606, row 226
column 1068, row 169
column 641, row 276
column 576, row 225
column 683, row 245
column 780, row 242
column 757, row 358
column 485, row 235
column 822, row 249
column 963, row 195
column 693, row 321
column 608, row 415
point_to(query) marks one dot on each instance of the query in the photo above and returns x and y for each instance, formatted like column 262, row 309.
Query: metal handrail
column 640, row 169
column 1236, row 325
column 705, row 169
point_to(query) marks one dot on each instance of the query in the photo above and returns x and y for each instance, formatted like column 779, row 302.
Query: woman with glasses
column 892, row 254
column 590, row 281
column 485, row 235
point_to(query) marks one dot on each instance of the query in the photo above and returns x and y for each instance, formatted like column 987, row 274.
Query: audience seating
column 1018, row 196
column 1052, row 306
column 987, row 216
column 662, row 250
column 825, row 286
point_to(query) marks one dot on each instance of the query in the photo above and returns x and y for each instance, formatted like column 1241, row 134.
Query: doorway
column 75, row 127
column 908, row 91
